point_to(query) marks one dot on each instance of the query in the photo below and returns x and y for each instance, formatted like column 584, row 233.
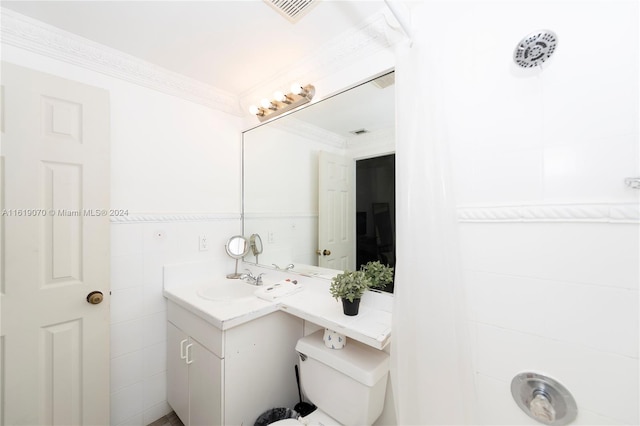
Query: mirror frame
column 256, row 245
column 233, row 254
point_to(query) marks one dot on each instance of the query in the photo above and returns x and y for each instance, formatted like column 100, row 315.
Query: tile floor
column 170, row 419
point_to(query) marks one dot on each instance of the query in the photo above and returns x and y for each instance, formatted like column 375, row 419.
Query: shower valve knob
column 543, row 399
column 541, row 408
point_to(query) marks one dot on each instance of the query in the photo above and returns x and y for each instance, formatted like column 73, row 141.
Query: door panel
column 62, row 250
column 61, row 356
column 55, row 236
column 336, row 205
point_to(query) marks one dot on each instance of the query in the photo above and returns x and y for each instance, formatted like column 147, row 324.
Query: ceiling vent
column 385, row 80
column 293, row 10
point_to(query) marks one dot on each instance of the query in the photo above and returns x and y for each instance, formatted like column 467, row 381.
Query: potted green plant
column 349, row 286
column 380, row 275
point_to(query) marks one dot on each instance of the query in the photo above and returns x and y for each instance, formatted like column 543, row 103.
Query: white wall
column 176, row 168
column 549, row 232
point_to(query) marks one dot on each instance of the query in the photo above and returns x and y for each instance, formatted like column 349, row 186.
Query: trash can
column 275, row 414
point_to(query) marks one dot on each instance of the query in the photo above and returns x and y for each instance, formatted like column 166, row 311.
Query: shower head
column 535, row 48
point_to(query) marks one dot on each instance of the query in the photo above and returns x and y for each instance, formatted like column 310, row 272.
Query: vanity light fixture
column 281, row 103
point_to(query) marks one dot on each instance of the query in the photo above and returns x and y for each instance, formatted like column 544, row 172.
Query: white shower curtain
column 431, row 360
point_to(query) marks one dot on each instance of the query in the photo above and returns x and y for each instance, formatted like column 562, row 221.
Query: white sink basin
column 226, row 291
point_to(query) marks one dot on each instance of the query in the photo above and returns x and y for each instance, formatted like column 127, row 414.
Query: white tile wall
column 138, row 308
column 487, row 176
column 611, row 392
column 556, row 298
column 590, row 169
column 491, row 396
column 551, row 309
column 127, row 269
column 560, row 298
column 126, row 370
column 127, row 406
column 126, row 337
column 598, row 254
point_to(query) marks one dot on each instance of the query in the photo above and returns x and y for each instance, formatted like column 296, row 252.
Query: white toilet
column 347, row 385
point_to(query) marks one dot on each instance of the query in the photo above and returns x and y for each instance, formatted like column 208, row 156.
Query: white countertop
column 222, row 314
column 315, row 304
column 312, row 303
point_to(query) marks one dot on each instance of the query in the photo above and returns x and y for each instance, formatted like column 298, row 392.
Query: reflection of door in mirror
column 375, row 206
column 336, row 212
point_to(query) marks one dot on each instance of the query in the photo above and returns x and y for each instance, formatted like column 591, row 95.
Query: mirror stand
column 235, row 275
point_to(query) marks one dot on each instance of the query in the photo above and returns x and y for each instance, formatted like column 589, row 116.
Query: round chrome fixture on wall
column 543, row 399
column 535, row 48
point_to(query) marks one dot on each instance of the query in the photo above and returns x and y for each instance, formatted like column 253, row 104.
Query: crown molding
column 21, row 31
column 44, row 39
column 309, row 131
column 384, row 136
column 594, row 213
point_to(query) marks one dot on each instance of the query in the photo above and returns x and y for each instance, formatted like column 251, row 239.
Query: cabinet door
column 177, row 372
column 205, row 386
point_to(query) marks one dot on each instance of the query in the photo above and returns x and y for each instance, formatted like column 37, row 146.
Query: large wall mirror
column 319, row 183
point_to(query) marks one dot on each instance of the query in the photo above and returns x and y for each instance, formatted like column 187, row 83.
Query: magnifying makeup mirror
column 237, row 247
column 256, row 245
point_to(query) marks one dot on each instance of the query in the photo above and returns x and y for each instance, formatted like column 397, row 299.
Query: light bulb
column 266, row 103
column 254, row 110
column 296, row 89
column 279, row 96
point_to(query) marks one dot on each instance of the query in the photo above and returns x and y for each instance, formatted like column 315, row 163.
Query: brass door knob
column 95, row 297
column 324, row 252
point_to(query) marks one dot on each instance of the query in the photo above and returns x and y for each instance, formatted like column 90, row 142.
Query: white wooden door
column 336, row 205
column 55, row 251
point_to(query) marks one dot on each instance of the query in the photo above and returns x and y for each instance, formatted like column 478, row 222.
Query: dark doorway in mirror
column 376, row 211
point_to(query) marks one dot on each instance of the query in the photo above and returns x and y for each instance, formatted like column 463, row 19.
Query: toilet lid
column 286, row 422
column 318, row 417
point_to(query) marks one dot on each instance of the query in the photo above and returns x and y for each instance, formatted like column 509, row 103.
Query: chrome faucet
column 287, row 268
column 252, row 279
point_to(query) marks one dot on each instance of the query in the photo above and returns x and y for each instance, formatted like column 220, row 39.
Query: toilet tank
column 348, row 384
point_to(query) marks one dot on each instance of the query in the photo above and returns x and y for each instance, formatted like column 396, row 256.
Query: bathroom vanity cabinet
column 217, row 377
